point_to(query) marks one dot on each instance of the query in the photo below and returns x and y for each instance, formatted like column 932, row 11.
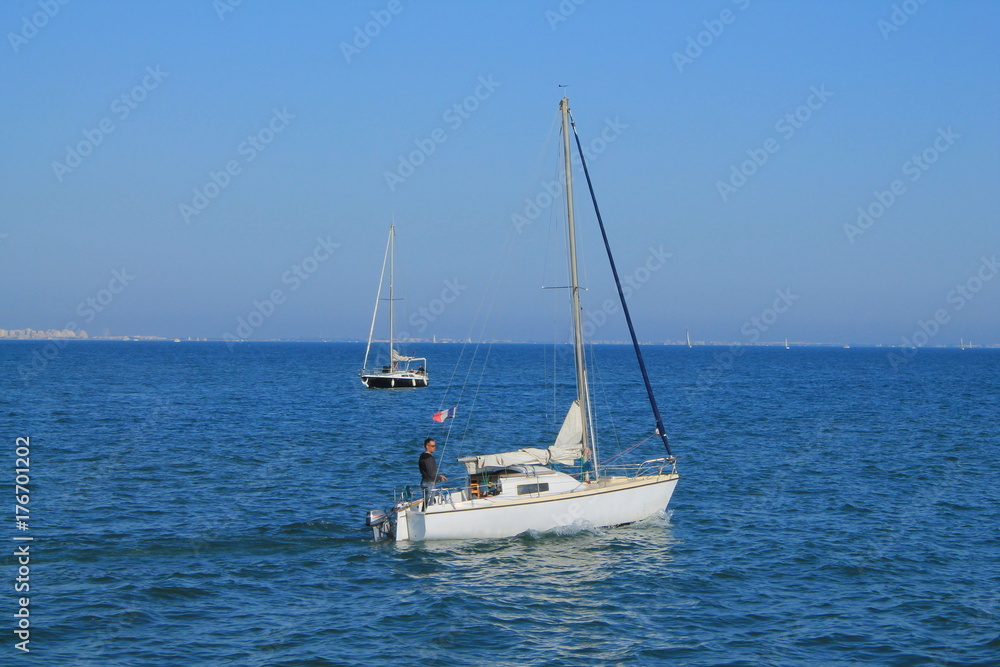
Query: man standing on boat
column 429, row 470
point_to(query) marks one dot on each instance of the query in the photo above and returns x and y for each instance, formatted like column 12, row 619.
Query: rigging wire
column 492, row 306
column 628, row 318
column 475, row 348
column 555, row 222
column 627, row 450
column 492, row 285
column 378, row 298
column 599, row 381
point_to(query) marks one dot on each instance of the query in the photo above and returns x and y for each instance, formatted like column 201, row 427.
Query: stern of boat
column 381, row 523
column 396, row 523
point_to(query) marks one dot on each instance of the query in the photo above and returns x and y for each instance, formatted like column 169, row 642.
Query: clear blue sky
column 677, row 129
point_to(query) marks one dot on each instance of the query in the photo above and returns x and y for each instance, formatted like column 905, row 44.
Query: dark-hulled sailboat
column 400, row 371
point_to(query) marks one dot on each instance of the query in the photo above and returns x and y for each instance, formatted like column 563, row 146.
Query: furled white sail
column 396, row 356
column 567, row 448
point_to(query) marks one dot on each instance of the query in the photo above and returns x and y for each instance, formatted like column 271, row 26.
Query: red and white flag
column 445, row 414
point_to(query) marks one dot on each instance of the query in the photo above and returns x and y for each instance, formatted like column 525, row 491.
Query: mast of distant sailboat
column 392, row 270
column 378, row 297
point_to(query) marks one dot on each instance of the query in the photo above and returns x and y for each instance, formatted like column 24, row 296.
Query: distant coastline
column 47, row 334
column 68, row 334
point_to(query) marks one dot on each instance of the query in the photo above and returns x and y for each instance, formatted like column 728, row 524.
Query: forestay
column 567, row 449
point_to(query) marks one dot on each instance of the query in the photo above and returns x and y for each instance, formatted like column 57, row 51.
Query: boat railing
column 445, row 495
column 472, row 488
column 650, row 467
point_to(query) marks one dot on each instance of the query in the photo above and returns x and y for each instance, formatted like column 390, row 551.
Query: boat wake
column 568, row 530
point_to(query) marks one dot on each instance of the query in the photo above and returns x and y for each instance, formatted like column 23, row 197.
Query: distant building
column 32, row 334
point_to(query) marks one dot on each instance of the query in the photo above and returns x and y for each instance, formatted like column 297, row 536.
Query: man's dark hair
column 428, row 440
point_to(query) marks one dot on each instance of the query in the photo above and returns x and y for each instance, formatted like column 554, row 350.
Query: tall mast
column 378, row 298
column 582, row 394
column 392, row 264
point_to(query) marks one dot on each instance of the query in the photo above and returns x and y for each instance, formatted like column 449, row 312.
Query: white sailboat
column 786, row 344
column 687, row 334
column 399, row 372
column 508, row 493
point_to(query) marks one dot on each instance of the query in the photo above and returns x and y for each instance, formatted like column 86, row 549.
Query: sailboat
column 399, row 372
column 511, row 492
column 786, row 344
column 687, row 334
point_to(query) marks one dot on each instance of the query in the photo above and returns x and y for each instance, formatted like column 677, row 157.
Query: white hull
column 613, row 501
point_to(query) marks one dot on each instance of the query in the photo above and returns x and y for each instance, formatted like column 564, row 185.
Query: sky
column 822, row 172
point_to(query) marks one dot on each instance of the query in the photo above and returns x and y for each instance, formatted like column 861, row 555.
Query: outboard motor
column 380, row 523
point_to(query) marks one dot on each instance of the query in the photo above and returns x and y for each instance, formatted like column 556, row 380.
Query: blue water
column 192, row 505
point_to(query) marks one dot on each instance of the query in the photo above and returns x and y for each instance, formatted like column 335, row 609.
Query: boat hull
column 393, row 381
column 611, row 502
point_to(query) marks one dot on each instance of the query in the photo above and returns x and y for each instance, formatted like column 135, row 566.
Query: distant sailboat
column 786, row 344
column 398, row 373
column 687, row 334
column 961, row 344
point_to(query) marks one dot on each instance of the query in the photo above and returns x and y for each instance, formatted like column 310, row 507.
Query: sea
column 199, row 503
